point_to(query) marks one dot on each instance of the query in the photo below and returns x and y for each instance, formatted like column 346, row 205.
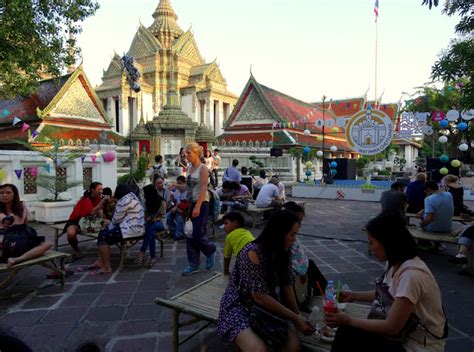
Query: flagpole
column 376, row 49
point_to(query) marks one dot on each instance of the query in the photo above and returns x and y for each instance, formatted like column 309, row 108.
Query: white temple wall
column 189, row 106
column 11, row 160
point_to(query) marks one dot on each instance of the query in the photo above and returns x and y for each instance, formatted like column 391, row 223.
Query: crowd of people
column 259, row 307
column 435, row 205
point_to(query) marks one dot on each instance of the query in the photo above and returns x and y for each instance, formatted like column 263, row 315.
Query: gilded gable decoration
column 76, row 104
column 254, row 109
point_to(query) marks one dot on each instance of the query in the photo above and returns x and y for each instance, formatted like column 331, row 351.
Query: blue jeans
column 149, row 238
column 175, row 222
column 199, row 243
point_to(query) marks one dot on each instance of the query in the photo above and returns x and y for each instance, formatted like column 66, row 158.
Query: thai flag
column 376, row 9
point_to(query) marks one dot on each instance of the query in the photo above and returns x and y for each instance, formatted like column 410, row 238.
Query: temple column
column 207, row 109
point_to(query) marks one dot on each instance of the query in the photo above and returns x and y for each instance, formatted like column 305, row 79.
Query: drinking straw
column 321, row 290
column 338, row 290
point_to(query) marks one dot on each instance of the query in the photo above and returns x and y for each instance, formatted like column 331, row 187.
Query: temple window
column 87, row 143
column 29, row 181
column 250, row 144
column 79, row 143
column 61, row 174
column 237, row 144
column 226, row 111
column 244, row 143
column 216, row 117
column 70, row 143
column 104, row 104
column 87, row 177
column 117, row 115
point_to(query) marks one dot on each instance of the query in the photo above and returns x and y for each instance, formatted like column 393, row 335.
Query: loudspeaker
column 346, row 168
column 434, row 164
column 276, row 151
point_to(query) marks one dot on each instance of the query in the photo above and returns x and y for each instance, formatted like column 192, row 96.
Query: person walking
column 198, row 197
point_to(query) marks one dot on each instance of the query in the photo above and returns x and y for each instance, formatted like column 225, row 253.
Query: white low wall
column 309, row 191
column 11, row 160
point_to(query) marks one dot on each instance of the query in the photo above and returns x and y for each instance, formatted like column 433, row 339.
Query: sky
column 303, row 48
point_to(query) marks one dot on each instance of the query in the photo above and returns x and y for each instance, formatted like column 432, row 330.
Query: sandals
column 139, row 260
column 100, row 272
column 83, row 269
column 150, row 263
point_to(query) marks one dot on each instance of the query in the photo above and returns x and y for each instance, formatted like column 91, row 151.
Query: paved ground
column 118, row 311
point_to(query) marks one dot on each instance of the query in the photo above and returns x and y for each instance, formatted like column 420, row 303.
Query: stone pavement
column 118, row 313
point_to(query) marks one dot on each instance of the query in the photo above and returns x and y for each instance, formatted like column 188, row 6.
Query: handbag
column 271, row 329
column 381, row 305
column 188, row 229
column 19, row 239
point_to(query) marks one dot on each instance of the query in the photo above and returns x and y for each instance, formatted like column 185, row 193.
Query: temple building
column 264, row 117
column 164, row 53
column 65, row 109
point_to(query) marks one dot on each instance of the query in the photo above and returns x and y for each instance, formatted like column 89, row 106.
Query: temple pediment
column 144, row 44
column 253, row 111
column 115, row 68
column 186, row 48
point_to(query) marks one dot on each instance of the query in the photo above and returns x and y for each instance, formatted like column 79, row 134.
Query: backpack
column 156, row 171
column 214, row 204
column 18, row 240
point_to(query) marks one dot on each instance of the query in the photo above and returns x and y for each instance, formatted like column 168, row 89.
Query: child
column 176, row 215
column 237, row 237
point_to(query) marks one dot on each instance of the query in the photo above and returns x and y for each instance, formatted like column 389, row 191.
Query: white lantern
column 467, row 114
column 452, row 115
column 319, row 153
column 98, row 154
column 463, row 147
column 329, row 123
column 307, row 132
column 443, row 139
column 333, row 148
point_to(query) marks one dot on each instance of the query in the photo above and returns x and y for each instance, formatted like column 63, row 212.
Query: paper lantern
column 463, row 147
column 333, row 149
column 334, row 130
column 443, row 123
column 308, row 173
column 309, row 165
column 333, row 164
column 443, row 171
column 109, row 156
column 452, row 115
column 307, row 132
column 462, row 126
column 443, row 139
column 467, row 114
column 306, row 150
column 98, row 154
column 2, row 175
column 444, row 158
column 319, row 153
column 333, row 171
column 455, row 163
column 438, row 116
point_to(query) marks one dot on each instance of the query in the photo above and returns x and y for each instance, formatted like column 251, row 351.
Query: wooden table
column 202, row 303
column 59, row 232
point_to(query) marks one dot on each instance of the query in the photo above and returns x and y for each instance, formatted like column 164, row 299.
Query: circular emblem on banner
column 467, row 115
column 369, row 132
column 452, row 115
column 319, row 123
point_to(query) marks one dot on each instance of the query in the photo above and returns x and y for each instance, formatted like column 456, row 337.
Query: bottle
column 330, row 305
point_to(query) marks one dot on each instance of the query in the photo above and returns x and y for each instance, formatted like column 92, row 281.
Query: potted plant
column 55, row 208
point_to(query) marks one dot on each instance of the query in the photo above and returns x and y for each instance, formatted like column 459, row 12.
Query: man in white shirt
column 158, row 169
column 268, row 195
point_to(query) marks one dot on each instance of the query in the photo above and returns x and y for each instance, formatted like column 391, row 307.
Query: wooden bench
column 256, row 214
column 123, row 246
column 47, row 260
column 202, row 303
column 59, row 232
column 454, row 218
column 420, row 234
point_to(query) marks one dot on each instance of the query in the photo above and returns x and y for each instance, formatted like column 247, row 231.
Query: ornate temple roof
column 204, row 134
column 63, row 108
column 165, row 27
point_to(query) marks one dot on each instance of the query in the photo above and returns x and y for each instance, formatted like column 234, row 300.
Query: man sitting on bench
column 269, row 195
column 438, row 212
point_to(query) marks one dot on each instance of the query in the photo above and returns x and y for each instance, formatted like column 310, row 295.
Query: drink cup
column 330, row 307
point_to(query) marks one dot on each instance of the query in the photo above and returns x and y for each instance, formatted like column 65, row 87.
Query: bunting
column 25, row 127
column 18, row 173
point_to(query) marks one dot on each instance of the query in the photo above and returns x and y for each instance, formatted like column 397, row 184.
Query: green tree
column 432, row 99
column 56, row 183
column 35, row 40
column 456, row 63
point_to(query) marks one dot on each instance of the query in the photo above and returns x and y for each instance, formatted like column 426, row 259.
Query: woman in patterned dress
column 262, row 268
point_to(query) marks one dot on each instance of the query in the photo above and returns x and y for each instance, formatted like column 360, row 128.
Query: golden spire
column 165, row 27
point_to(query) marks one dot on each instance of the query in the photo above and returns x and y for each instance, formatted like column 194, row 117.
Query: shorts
column 109, row 236
column 71, row 222
column 33, row 241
